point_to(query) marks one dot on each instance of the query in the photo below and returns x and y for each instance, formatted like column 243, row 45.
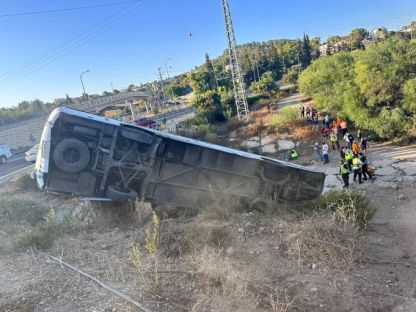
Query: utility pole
column 161, row 83
column 166, row 67
column 112, row 88
column 238, row 82
column 82, row 83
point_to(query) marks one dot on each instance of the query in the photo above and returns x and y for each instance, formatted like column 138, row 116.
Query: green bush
column 348, row 207
column 282, row 121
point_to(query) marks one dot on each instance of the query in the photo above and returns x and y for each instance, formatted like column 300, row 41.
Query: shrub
column 20, row 210
column 283, row 120
column 348, row 206
column 40, row 237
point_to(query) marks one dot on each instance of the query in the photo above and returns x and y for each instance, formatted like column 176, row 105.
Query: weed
column 50, row 217
column 135, row 257
column 303, row 132
column 280, row 301
column 152, row 245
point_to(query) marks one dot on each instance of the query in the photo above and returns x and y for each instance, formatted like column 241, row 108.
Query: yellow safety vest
column 355, row 162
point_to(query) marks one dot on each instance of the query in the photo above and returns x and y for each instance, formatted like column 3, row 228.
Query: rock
column 268, row 140
column 401, row 197
column 285, row 144
column 314, row 266
column 251, row 144
column 314, row 289
column 240, row 230
column 261, row 229
column 251, row 252
column 257, row 252
column 268, row 149
column 229, row 251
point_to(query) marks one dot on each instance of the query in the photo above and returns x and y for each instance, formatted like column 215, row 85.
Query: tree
column 208, row 106
column 199, row 81
column 315, row 44
column 306, row 51
column 211, row 73
column 266, row 85
column 374, row 88
column 291, row 76
column 115, row 91
column 131, row 88
column 106, row 93
column 356, row 38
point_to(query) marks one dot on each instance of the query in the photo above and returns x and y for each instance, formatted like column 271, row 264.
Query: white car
column 5, row 153
column 32, row 153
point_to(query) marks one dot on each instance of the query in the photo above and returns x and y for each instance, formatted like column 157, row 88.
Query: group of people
column 353, row 153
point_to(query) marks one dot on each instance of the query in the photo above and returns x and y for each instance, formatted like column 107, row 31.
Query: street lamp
column 82, row 82
column 166, row 66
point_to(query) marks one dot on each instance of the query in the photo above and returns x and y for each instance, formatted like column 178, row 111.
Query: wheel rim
column 72, row 155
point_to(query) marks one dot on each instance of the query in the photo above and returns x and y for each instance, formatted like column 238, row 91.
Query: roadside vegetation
column 373, row 88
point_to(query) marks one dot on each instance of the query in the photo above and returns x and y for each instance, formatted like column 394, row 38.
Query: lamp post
column 82, row 82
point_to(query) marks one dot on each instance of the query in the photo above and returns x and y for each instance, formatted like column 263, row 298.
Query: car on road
column 32, row 153
column 5, row 153
column 145, row 122
column 104, row 159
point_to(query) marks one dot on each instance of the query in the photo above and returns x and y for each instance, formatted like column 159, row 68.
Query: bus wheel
column 120, row 195
column 258, row 204
column 71, row 155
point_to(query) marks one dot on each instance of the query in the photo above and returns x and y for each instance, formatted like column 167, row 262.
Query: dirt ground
column 220, row 260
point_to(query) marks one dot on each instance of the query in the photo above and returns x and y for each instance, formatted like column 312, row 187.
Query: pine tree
column 210, row 69
column 306, row 51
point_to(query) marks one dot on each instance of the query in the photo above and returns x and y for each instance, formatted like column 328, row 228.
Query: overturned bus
column 89, row 155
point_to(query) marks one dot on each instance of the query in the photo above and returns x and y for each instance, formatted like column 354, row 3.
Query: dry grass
column 322, row 239
column 280, row 301
column 216, row 272
column 303, row 132
column 25, row 183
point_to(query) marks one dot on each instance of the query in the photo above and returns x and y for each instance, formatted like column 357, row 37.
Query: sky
column 42, row 55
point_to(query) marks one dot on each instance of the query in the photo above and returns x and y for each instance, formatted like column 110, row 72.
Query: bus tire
column 120, row 195
column 258, row 204
column 71, row 155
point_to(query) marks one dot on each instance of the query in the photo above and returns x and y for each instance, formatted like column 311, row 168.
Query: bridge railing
column 108, row 100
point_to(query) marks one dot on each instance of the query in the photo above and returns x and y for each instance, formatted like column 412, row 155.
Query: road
column 15, row 164
column 18, row 163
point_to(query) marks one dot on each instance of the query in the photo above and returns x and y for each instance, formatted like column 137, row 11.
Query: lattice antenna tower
column 238, row 82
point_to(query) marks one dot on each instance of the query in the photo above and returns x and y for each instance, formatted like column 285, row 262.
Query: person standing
column 325, row 152
column 345, row 174
column 348, row 158
column 302, row 111
column 359, row 135
column 350, row 139
column 327, row 120
column 355, row 147
column 364, row 146
column 334, row 141
column 344, row 127
column 356, row 168
column 308, row 112
column 364, row 168
column 317, row 152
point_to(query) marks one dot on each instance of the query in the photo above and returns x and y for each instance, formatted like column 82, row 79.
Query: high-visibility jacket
column 355, row 147
column 293, row 154
column 348, row 156
column 356, row 163
column 344, row 170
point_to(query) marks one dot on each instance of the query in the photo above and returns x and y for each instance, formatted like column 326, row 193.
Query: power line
column 56, row 53
column 67, row 9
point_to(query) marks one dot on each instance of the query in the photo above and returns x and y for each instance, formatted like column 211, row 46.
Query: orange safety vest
column 355, row 148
